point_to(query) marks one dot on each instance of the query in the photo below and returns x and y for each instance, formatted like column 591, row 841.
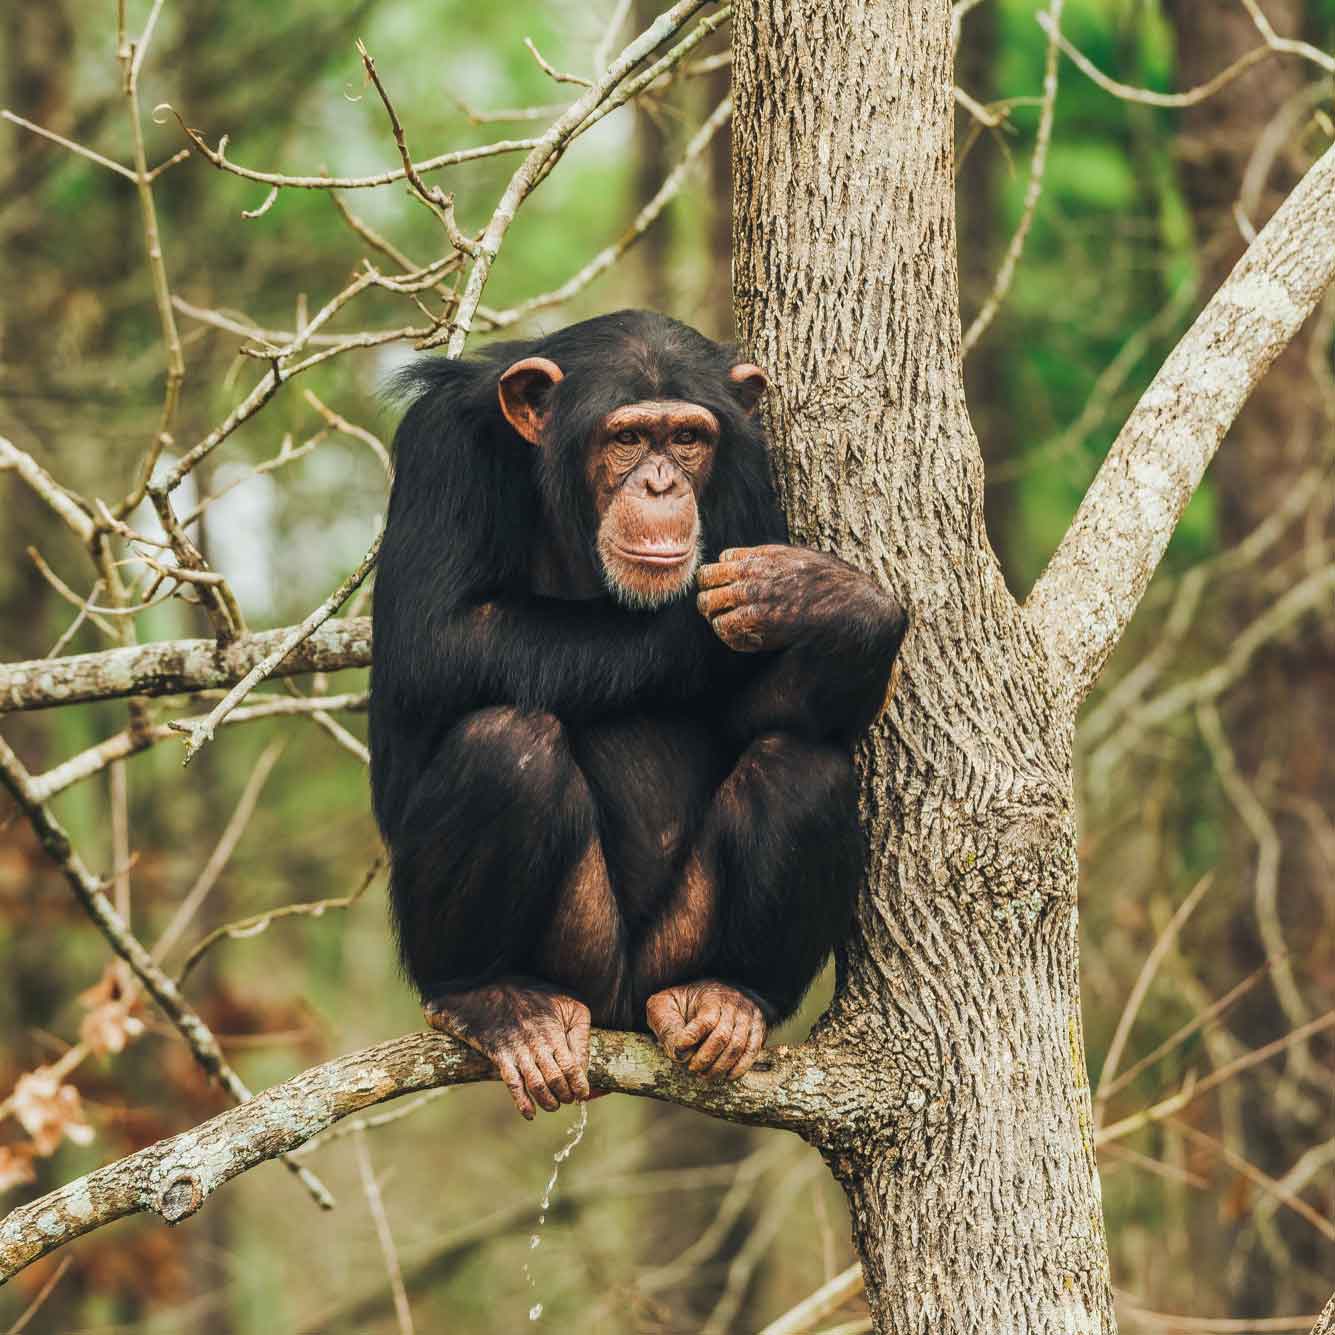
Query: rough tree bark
column 965, row 1148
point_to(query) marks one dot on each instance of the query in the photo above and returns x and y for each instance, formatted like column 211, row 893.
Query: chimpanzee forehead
column 669, row 414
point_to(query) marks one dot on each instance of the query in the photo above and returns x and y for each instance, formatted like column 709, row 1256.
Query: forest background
column 1207, row 756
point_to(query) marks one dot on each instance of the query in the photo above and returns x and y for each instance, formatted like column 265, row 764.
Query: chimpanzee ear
column 524, row 391
column 751, row 383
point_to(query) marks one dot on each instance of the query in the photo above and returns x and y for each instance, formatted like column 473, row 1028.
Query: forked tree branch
column 173, row 1178
column 178, row 667
column 1086, row 596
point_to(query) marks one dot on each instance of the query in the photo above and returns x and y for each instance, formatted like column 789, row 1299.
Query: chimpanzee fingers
column 554, row 1075
column 534, row 1082
column 574, row 1059
column 715, row 574
column 755, row 1042
column 714, row 602
column 727, row 1061
column 509, row 1074
column 739, row 630
column 714, row 1046
column 700, row 1027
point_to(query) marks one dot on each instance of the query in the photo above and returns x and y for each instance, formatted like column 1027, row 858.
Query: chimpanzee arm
column 571, row 658
column 833, row 633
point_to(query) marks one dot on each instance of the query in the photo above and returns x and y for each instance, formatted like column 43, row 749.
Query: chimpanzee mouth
column 655, row 556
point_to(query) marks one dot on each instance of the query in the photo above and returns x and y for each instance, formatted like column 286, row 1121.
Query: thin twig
column 1037, row 167
column 88, row 891
column 384, row 1235
column 201, row 732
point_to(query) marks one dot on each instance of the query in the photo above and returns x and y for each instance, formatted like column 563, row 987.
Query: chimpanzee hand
column 708, row 1027
column 536, row 1037
column 771, row 597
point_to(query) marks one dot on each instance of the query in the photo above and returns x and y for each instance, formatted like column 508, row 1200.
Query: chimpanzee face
column 646, row 466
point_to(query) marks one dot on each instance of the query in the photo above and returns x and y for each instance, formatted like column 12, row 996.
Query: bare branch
column 1037, row 166
column 1084, row 599
column 61, row 501
column 179, row 667
column 174, row 1177
column 88, row 891
column 645, row 219
column 219, row 159
column 828, row 1298
column 91, row 154
column 558, row 135
column 201, row 732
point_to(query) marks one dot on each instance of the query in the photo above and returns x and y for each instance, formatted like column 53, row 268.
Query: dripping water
column 573, row 1136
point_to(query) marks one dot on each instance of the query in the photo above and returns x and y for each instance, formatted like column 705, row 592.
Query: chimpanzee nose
column 660, row 478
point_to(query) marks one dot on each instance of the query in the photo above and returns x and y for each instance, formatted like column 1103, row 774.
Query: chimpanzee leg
column 498, row 850
column 784, row 850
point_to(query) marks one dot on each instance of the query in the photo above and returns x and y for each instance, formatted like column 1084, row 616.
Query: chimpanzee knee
column 498, row 818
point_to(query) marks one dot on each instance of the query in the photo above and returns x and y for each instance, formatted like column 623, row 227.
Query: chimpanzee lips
column 655, row 556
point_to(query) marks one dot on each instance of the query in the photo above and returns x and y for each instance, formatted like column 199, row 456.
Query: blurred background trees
column 1208, row 750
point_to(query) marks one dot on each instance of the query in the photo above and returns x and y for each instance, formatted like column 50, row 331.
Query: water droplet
column 574, row 1136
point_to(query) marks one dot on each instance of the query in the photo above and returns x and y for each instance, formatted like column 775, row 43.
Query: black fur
column 509, row 729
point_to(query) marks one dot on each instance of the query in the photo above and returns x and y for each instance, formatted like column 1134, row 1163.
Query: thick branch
column 177, row 667
column 174, row 1177
column 1085, row 598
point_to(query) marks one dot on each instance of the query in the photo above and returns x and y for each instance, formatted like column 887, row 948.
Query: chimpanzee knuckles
column 523, row 390
column 751, row 383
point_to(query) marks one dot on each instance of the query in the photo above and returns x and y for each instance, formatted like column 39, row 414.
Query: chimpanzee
column 608, row 801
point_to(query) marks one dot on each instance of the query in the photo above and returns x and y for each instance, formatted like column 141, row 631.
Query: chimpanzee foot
column 708, row 1027
column 536, row 1037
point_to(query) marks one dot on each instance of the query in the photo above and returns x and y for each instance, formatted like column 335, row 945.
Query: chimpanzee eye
column 686, row 436
column 627, row 437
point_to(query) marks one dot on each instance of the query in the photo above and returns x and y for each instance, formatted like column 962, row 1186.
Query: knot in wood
column 180, row 1199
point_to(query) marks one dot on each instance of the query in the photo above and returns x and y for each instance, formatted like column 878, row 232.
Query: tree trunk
column 962, row 1136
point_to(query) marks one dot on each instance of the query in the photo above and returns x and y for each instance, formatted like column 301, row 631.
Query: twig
column 341, row 424
column 1037, row 167
column 91, row 154
column 1173, row 1105
column 646, row 217
column 1209, row 1015
column 73, row 512
column 550, row 71
column 384, row 1235
column 1148, row 97
column 88, row 891
column 25, row 1320
column 826, row 1299
column 552, row 143
column 222, row 852
column 201, row 732
column 244, row 928
column 1263, row 1180
column 1142, row 985
column 219, row 159
column 753, row 1250
column 1265, row 895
